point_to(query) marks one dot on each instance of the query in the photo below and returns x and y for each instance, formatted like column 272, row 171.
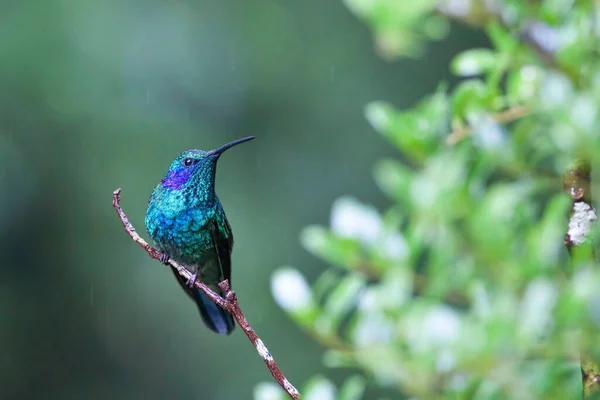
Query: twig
column 590, row 377
column 503, row 117
column 541, row 38
column 545, row 40
column 229, row 302
column 576, row 183
column 583, row 216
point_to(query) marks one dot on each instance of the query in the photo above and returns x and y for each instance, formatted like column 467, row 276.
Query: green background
column 99, row 95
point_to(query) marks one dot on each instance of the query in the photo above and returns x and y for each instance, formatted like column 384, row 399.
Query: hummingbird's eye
column 188, row 162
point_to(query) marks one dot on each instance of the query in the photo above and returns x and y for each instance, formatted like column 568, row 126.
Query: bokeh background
column 99, row 95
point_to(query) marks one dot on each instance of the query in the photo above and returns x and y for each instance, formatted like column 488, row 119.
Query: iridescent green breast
column 181, row 228
column 186, row 238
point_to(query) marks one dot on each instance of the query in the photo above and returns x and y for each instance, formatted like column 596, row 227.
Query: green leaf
column 342, row 299
column 416, row 132
column 395, row 289
column 353, row 388
column 394, row 179
column 380, row 115
column 497, row 223
column 523, row 85
column 545, row 238
column 401, row 27
column 501, row 38
column 553, row 11
column 436, row 27
column 342, row 252
column 468, row 97
column 438, row 191
column 489, row 390
column 325, row 284
column 338, row 359
column 474, row 62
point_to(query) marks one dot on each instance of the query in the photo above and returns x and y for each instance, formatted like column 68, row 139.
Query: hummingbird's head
column 194, row 169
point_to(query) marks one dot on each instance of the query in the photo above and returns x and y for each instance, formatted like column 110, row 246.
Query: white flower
column 290, row 290
column 268, row 391
column 373, row 329
column 555, row 91
column 435, row 328
column 487, row 133
column 352, row 219
column 455, row 8
column 322, row 390
column 394, row 246
column 441, row 325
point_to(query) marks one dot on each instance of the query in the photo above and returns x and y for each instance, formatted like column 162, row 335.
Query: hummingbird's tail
column 217, row 319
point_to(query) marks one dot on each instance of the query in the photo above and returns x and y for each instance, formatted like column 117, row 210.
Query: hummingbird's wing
column 223, row 242
column 216, row 318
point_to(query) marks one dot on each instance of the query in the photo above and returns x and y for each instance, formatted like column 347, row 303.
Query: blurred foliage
column 462, row 288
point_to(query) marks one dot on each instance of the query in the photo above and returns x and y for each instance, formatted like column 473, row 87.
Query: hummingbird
column 186, row 221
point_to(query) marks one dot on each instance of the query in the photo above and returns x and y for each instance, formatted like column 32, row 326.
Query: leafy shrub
column 464, row 288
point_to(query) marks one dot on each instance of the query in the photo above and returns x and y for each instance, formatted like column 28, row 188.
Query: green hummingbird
column 186, row 221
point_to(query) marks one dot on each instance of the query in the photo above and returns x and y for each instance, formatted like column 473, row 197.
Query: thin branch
column 229, row 302
column 583, row 216
column 576, row 183
column 545, row 40
column 503, row 117
column 541, row 38
column 590, row 377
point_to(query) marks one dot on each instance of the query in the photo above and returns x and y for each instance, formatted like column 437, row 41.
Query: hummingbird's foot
column 164, row 258
column 190, row 282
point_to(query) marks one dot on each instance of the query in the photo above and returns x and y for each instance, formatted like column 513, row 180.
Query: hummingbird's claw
column 164, row 258
column 192, row 280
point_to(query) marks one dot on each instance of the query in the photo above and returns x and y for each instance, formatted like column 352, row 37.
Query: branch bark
column 229, row 302
column 577, row 183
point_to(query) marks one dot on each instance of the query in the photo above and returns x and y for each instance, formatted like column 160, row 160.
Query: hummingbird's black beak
column 217, row 152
